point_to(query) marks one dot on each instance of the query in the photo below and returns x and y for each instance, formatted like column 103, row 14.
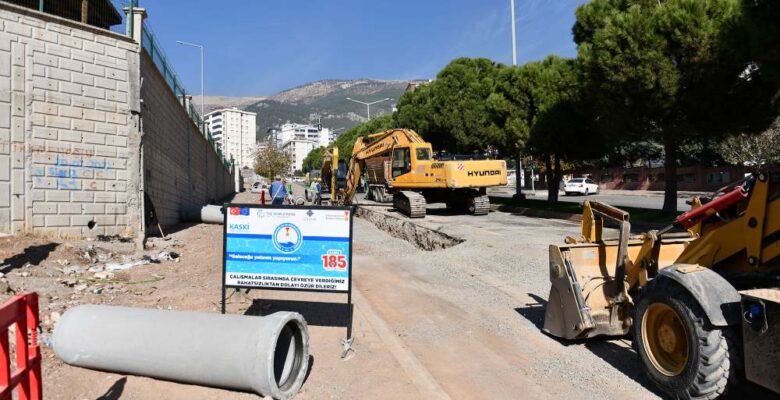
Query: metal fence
column 152, row 47
column 105, row 14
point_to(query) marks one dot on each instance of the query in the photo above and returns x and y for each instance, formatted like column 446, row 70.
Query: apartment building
column 234, row 132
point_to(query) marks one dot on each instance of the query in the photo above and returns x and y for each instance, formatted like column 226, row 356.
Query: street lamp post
column 519, row 169
column 514, row 36
column 368, row 105
column 202, row 96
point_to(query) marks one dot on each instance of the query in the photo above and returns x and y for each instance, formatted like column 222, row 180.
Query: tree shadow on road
column 32, row 254
column 115, row 391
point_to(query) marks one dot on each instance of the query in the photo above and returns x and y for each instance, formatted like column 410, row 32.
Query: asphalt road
column 648, row 200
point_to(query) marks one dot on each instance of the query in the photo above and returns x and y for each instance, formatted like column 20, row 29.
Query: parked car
column 584, row 186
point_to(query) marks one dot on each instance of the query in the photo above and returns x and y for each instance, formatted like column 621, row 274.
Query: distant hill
column 216, row 102
column 322, row 99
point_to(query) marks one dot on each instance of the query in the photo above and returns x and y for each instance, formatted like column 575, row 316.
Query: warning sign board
column 289, row 248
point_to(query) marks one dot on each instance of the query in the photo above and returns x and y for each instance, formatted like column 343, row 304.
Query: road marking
column 420, row 376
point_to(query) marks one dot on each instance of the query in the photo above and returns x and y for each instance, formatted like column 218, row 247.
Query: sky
column 261, row 47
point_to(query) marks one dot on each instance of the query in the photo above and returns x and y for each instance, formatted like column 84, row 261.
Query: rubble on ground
column 69, row 273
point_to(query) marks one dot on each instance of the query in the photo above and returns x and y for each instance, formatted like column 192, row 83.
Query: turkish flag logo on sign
column 235, row 211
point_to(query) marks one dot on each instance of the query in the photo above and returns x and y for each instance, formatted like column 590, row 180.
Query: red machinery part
column 21, row 311
column 717, row 205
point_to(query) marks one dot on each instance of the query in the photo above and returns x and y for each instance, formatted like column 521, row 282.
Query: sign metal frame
column 226, row 206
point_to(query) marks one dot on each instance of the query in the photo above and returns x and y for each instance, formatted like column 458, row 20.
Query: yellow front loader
column 702, row 304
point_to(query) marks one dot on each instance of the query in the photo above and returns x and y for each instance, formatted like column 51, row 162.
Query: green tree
column 756, row 150
column 415, row 109
column 657, row 70
column 313, row 160
column 472, row 105
column 452, row 111
column 558, row 131
column 761, row 24
column 270, row 161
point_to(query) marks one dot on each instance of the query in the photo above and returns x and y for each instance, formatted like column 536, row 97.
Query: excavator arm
column 328, row 173
column 368, row 147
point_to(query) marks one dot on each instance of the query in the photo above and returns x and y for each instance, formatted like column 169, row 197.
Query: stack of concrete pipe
column 266, row 355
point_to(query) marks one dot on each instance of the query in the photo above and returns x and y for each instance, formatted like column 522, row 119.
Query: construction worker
column 278, row 192
column 316, row 190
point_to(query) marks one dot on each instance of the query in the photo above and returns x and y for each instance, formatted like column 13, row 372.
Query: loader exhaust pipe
column 266, row 355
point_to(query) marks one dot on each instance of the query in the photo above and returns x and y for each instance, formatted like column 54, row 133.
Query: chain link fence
column 105, row 14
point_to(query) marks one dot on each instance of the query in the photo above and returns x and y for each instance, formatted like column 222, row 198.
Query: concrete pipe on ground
column 212, row 214
column 266, row 355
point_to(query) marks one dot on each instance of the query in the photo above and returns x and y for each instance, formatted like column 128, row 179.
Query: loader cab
column 404, row 158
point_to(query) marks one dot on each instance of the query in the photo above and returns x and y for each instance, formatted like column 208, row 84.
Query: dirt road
column 462, row 322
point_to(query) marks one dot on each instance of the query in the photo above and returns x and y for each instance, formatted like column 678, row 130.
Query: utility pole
column 514, row 36
column 519, row 170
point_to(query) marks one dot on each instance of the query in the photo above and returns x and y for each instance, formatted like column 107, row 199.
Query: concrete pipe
column 212, row 214
column 266, row 355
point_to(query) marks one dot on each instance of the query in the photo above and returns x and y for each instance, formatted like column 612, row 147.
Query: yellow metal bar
column 755, row 217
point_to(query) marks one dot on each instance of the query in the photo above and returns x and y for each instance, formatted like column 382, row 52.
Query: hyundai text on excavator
column 404, row 167
column 702, row 304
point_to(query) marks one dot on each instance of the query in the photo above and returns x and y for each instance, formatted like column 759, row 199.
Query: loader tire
column 707, row 354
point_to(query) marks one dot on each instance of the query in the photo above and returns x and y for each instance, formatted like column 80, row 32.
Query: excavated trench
column 419, row 236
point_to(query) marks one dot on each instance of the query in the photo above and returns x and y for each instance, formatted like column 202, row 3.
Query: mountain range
column 324, row 101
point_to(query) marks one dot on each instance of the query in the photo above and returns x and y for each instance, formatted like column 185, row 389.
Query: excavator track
column 479, row 205
column 410, row 203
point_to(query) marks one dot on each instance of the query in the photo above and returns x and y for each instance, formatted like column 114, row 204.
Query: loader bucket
column 584, row 294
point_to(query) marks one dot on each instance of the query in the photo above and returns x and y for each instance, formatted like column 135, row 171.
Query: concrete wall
column 66, row 128
column 182, row 171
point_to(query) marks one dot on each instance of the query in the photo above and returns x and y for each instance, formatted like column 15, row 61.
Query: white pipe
column 266, row 355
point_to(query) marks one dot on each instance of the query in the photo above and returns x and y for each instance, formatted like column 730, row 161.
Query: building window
column 606, row 178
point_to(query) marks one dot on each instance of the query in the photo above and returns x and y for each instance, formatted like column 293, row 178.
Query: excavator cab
column 405, row 159
column 341, row 175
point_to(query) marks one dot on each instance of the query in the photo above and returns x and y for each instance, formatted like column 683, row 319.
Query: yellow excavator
column 402, row 164
column 701, row 301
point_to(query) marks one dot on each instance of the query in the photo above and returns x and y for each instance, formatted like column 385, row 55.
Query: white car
column 581, row 186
